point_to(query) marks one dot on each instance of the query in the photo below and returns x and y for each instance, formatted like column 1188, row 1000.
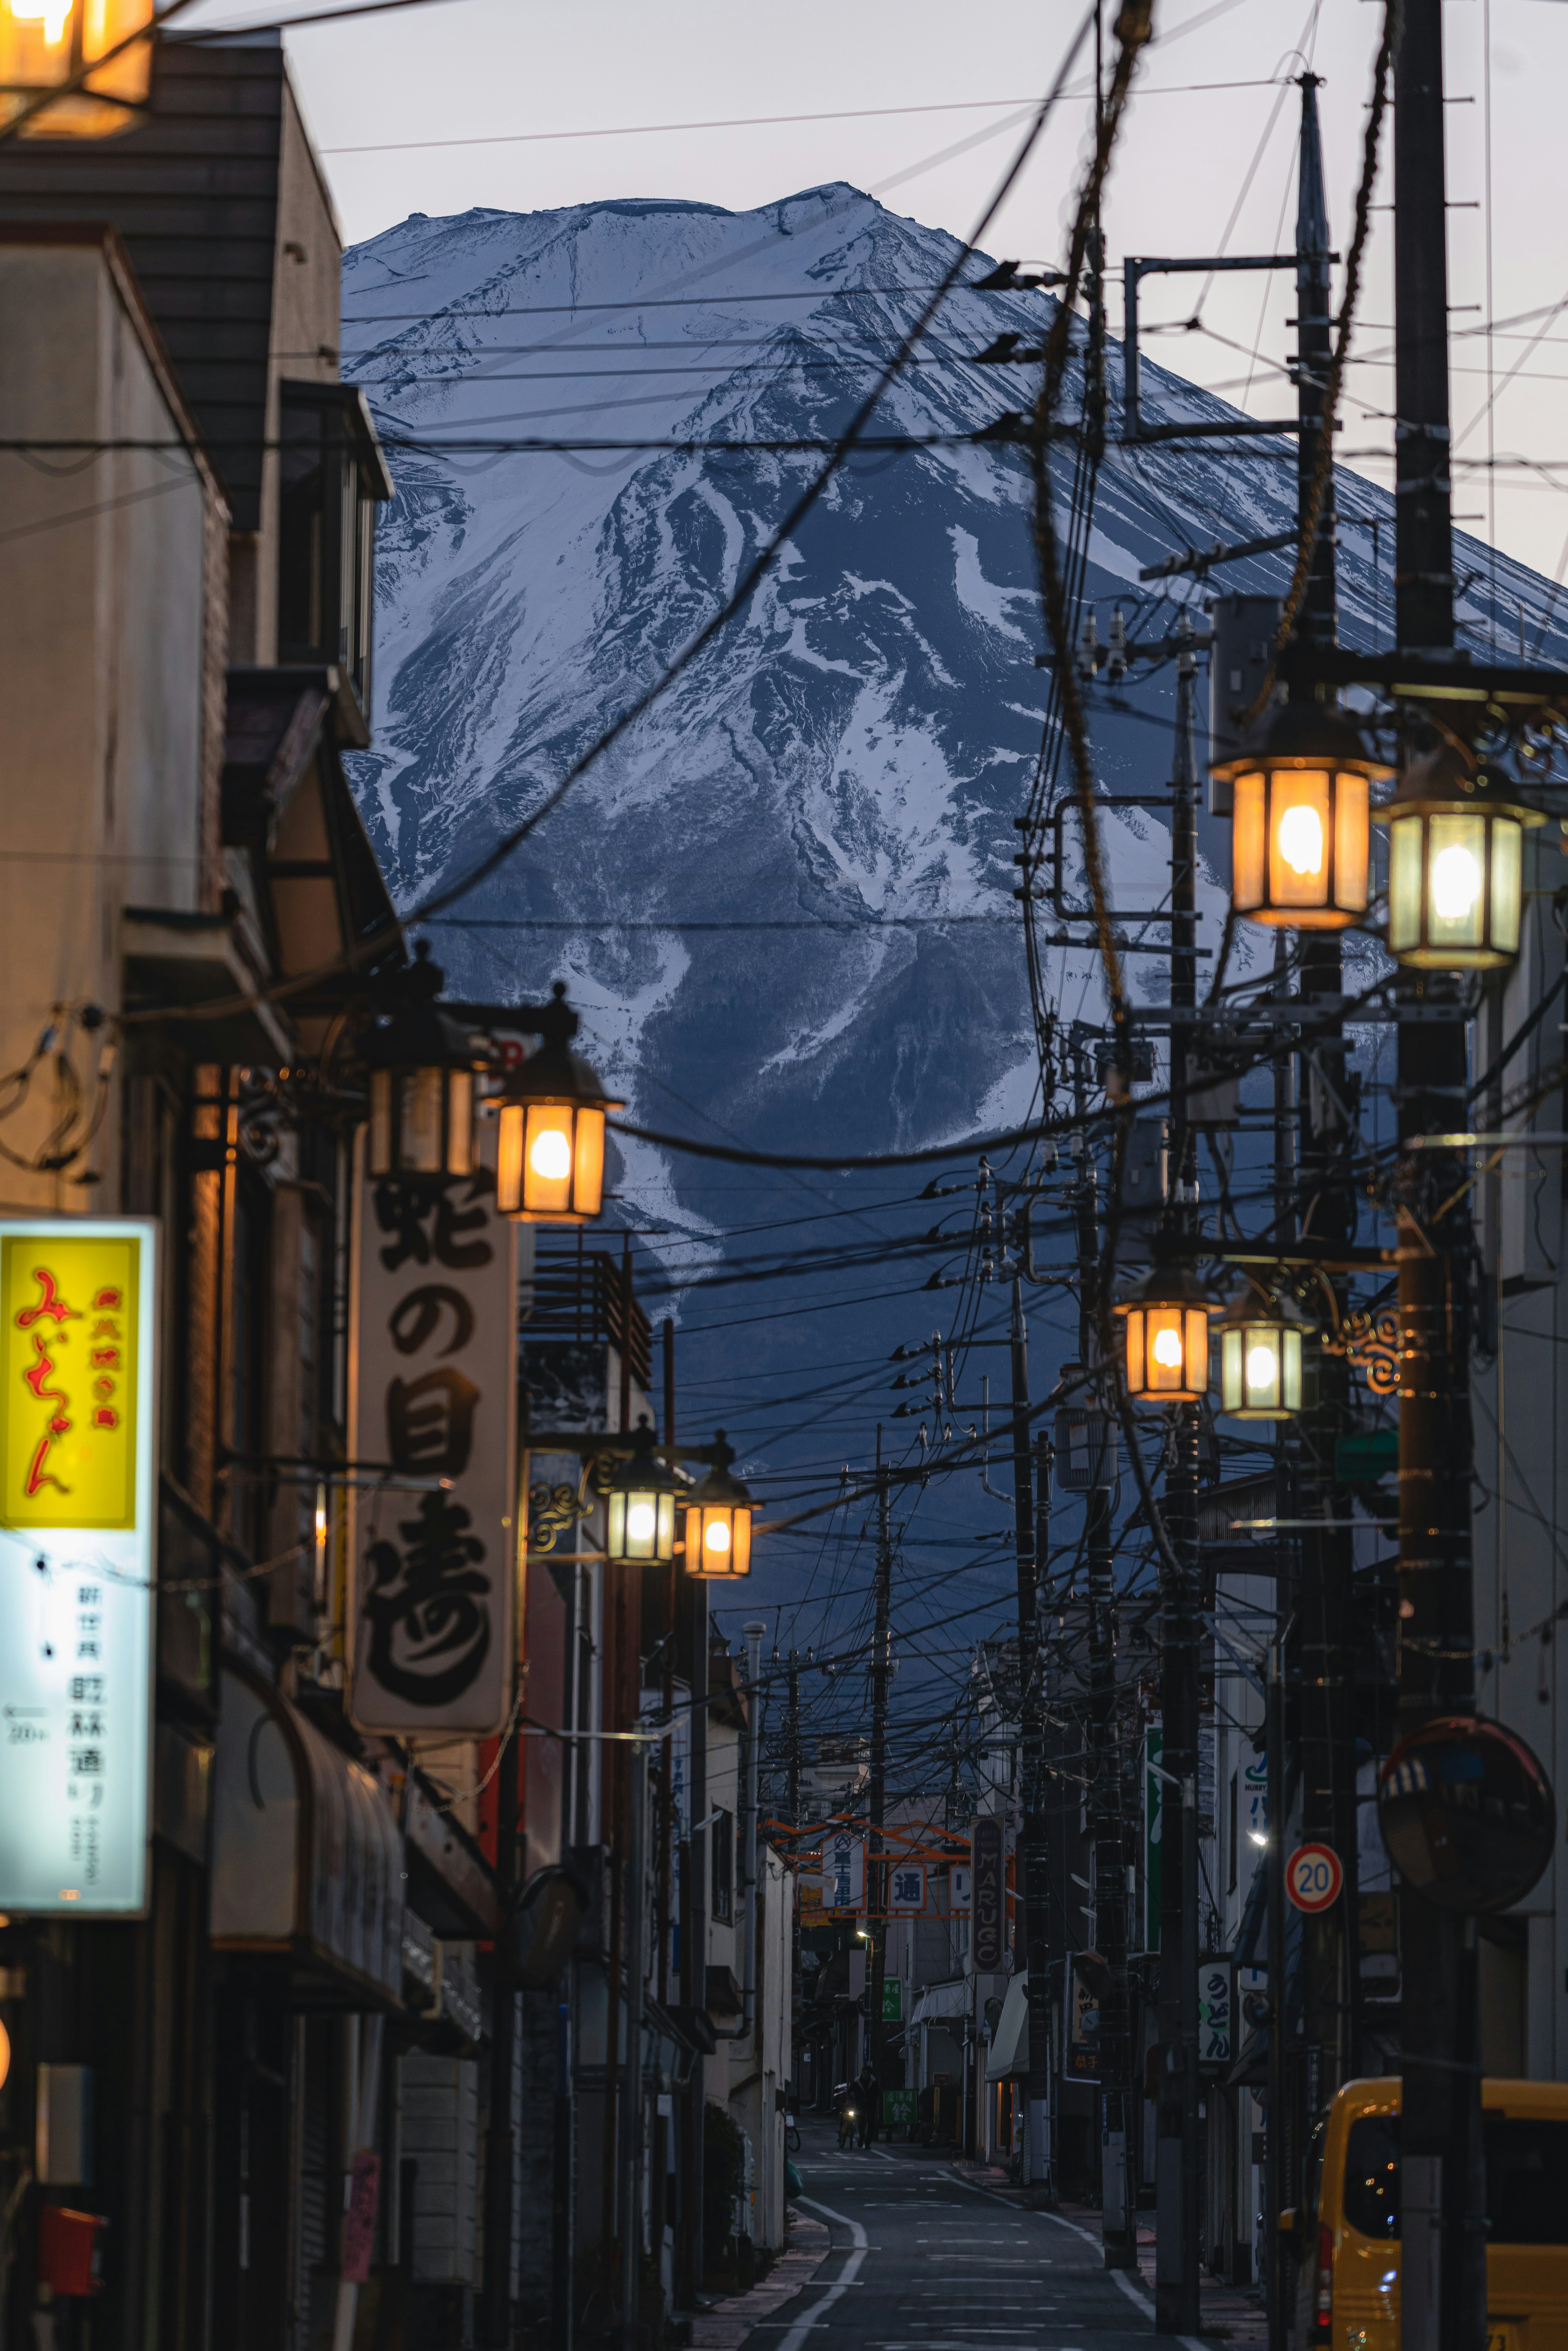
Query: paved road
column 924, row 2261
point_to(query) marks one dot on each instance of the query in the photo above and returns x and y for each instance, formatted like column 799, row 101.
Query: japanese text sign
column 78, row 1330
column 906, row 1885
column 432, row 1395
column 1216, row 2012
column 843, row 1872
column 988, row 1869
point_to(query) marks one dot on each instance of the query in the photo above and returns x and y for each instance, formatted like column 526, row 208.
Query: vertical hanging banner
column 432, row 1400
column 79, row 1390
column 988, row 1935
column 844, row 1871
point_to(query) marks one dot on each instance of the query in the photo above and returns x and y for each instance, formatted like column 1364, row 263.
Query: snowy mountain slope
column 846, row 760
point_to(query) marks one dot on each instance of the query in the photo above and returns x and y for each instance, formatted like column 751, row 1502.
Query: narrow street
column 921, row 2260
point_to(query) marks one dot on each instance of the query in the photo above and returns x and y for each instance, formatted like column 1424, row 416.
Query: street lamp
column 1260, row 1357
column 421, row 1065
column 1456, row 843
column 1167, row 1356
column 640, row 1506
column 1300, row 835
column 719, row 1519
column 550, row 1156
column 44, row 44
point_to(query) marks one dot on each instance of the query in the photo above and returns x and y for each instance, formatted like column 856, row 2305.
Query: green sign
column 892, row 2000
column 900, row 2105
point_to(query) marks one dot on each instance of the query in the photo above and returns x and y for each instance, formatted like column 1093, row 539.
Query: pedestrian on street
column 867, row 2099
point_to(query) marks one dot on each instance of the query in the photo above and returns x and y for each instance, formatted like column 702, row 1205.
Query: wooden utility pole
column 1443, row 2253
column 1177, row 2174
column 1326, row 1211
column 1032, row 1864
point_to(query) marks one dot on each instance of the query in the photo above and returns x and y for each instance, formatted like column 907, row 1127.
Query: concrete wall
column 1521, row 1577
column 111, row 634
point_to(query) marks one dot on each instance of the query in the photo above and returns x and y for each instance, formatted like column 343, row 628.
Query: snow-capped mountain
column 783, row 899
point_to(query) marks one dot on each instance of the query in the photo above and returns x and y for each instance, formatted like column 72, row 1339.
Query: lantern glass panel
column 589, row 1171
column 1261, row 1382
column 459, row 1122
column 1352, row 841
column 1507, row 863
column 419, row 1105
column 1137, row 1370
column 1299, row 841
column 1167, row 1354
column 1231, row 1381
column 509, row 1159
column 1197, row 1350
column 380, row 1159
column 1406, row 837
column 1291, row 1369
column 1456, row 878
column 1246, row 843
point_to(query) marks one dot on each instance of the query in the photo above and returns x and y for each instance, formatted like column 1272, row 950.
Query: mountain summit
column 783, row 899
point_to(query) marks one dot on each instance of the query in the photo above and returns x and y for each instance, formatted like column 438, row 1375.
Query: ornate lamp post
column 1456, row 860
column 550, row 1160
column 640, row 1506
column 1262, row 1357
column 1301, row 836
column 1165, row 1322
column 719, row 1519
column 420, row 1065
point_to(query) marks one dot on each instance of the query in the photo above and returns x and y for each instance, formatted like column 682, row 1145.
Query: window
column 1371, row 2176
column 1527, row 2179
column 1526, row 2175
column 723, row 1850
column 333, row 476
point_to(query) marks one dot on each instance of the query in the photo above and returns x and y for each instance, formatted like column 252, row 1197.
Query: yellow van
column 1347, row 2235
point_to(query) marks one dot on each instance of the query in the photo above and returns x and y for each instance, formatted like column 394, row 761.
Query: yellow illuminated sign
column 69, row 1340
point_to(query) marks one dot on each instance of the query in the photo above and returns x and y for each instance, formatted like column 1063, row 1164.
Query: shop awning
column 939, row 2003
column 308, row 1857
column 1009, row 2043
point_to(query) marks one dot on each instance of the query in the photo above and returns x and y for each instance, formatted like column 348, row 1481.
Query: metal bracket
column 1134, row 272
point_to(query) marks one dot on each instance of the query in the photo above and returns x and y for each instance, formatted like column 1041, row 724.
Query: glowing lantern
column 549, row 1156
column 1261, row 1358
column 1301, row 836
column 44, row 44
column 421, row 1065
column 1167, row 1326
column 719, row 1519
column 1456, row 864
column 640, row 1506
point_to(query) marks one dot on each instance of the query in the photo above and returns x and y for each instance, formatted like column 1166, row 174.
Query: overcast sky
column 440, row 107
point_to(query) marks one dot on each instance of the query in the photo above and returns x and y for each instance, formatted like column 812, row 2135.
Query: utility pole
column 876, row 1875
column 1442, row 2257
column 1326, row 1212
column 1032, row 1734
column 1178, row 2171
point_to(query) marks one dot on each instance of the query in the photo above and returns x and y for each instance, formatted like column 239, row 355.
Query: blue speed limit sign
column 1314, row 1878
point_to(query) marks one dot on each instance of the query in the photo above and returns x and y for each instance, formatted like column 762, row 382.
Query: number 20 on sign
column 1314, row 1876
